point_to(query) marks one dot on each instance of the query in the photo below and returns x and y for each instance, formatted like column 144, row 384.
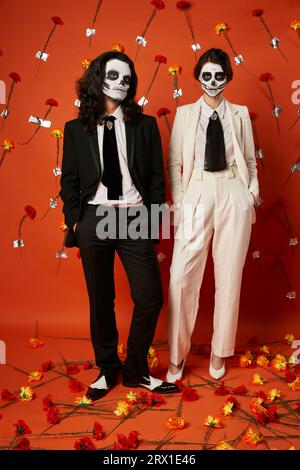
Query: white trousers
column 220, row 207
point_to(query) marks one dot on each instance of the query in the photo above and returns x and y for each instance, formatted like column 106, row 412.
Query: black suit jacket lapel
column 94, row 147
column 130, row 130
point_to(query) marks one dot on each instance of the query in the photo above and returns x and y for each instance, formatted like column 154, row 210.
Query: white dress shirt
column 130, row 196
column 205, row 113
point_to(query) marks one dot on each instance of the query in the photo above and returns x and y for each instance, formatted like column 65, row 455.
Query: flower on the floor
column 295, row 385
column 224, row 445
column 212, row 422
column 246, row 360
column 258, row 410
column 98, row 432
column 48, row 365
column 289, row 338
column 222, row 390
column 87, row 365
column 265, row 349
column 123, row 409
column 35, row 376
column 229, row 405
column 273, row 394
column 279, row 362
column 176, row 422
column 252, row 437
column 53, row 415
column 127, row 443
column 83, row 401
column 132, row 397
column 262, row 360
column 23, row 444
column 75, row 386
column 84, row 443
column 6, row 395
column 240, row 390
column 257, row 380
column 47, row 402
column 189, row 394
column 72, row 369
column 26, row 394
column 22, row 428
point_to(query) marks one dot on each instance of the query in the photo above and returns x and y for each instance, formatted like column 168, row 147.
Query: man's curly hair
column 89, row 90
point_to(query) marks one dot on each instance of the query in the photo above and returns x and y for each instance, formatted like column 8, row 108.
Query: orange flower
column 273, row 394
column 116, row 46
column 151, row 352
column 279, row 362
column 176, row 422
column 220, row 27
column 58, row 133
column 83, row 401
column 227, row 408
column 265, row 349
column 85, row 63
column 132, row 397
column 63, row 227
column 262, row 360
column 252, row 437
column 257, row 380
column 173, row 69
column 8, row 144
column 123, row 409
column 289, row 338
column 212, row 422
column 35, row 376
column 246, row 359
column 295, row 24
column 36, row 342
column 256, row 406
column 224, row 445
column 26, row 394
column 295, row 385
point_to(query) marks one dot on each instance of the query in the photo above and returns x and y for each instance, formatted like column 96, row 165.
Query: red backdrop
column 31, row 290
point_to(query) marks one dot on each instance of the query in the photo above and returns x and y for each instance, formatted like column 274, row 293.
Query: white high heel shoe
column 171, row 378
column 216, row 373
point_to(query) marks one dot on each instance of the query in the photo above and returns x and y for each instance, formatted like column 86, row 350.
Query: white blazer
column 182, row 146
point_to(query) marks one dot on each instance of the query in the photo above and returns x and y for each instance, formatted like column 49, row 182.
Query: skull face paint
column 117, row 79
column 212, row 78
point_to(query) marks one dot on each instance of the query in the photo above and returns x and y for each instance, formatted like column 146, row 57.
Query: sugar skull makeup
column 117, row 79
column 212, row 78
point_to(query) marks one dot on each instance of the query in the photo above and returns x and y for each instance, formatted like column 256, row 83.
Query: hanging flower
column 91, row 31
column 223, row 28
column 185, row 8
column 98, row 432
column 266, row 77
column 163, row 112
column 224, row 445
column 257, row 380
column 252, row 437
column 75, row 386
column 289, row 338
column 84, row 443
column 35, row 376
column 42, row 55
column 262, row 361
column 117, row 47
column 8, row 145
column 141, row 40
column 279, row 362
column 273, row 394
column 41, row 122
column 174, row 70
column 85, row 63
column 159, row 59
column 21, row 428
column 176, row 422
column 295, row 25
column 123, row 409
column 246, row 359
column 212, row 422
column 15, row 77
column 220, row 27
column 127, row 443
column 26, row 394
column 258, row 13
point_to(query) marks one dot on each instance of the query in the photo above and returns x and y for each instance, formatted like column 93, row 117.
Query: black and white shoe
column 101, row 387
column 150, row 383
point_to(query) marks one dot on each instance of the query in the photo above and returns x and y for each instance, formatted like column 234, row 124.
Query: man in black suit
column 112, row 168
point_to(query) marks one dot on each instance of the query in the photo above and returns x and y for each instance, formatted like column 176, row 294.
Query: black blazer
column 81, row 172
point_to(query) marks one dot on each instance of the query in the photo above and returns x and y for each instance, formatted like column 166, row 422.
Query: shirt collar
column 208, row 111
column 118, row 113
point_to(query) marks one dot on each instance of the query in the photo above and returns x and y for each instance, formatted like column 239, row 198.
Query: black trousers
column 140, row 262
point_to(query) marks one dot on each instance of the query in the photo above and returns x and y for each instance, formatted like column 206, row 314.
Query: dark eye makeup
column 206, row 76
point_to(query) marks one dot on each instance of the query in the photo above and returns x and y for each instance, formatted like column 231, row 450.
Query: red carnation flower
column 47, row 403
column 240, row 390
column 84, row 443
column 257, row 12
column 221, row 390
column 158, row 4
column 23, row 444
column 6, row 395
column 127, row 443
column 30, row 211
column 48, row 365
column 1, row 52
column 272, row 414
column 53, row 415
column 75, row 386
column 160, row 58
column 189, row 394
column 261, row 394
column 253, row 115
column 73, row 369
column 265, row 77
column 183, row 5
column 51, row 102
column 21, row 428
column 57, row 20
column 98, row 432
column 87, row 365
column 162, row 112
column 15, row 76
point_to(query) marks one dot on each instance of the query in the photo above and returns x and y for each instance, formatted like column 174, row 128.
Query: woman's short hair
column 216, row 56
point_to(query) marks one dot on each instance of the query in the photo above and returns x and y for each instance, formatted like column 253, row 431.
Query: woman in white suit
column 213, row 177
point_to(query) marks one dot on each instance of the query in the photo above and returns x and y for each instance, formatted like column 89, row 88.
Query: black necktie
column 111, row 176
column 215, row 147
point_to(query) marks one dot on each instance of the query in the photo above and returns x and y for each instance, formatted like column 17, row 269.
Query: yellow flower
column 151, row 352
column 252, row 437
column 85, row 63
column 227, row 408
column 83, row 401
column 224, row 445
column 257, row 380
column 246, row 359
column 256, row 406
column 273, row 394
column 26, row 394
column 35, row 376
column 8, row 144
column 173, row 69
column 175, row 422
column 295, row 385
column 220, row 27
column 36, row 342
column 289, row 338
column 58, row 133
column 131, row 396
column 295, row 24
column 116, row 46
column 279, row 362
column 154, row 363
column 212, row 422
column 262, row 361
column 122, row 409
column 265, row 349
column 63, row 227
column 121, row 349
